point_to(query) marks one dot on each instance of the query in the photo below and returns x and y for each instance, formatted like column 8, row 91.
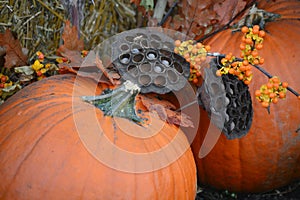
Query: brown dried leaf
column 165, row 110
column 71, row 40
column 14, row 56
column 233, row 7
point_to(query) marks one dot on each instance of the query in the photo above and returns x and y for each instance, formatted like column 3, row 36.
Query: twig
column 226, row 26
column 215, row 54
column 167, row 14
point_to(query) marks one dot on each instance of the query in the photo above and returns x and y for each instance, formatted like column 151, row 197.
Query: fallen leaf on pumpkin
column 165, row 110
column 14, row 55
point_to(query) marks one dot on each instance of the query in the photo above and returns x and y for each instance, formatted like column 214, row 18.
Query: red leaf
column 165, row 110
column 14, row 56
column 71, row 40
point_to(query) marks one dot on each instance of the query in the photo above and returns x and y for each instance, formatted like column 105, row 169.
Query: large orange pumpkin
column 269, row 155
column 49, row 149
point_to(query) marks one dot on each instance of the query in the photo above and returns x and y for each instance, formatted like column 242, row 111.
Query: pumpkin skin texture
column 268, row 156
column 42, row 156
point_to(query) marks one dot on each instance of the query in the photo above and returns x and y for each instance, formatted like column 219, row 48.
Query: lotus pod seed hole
column 144, row 43
column 172, row 76
column 145, row 67
column 155, row 37
column 154, row 44
column 135, row 48
column 145, row 80
column 166, row 61
column 178, row 67
column 129, row 38
column 124, row 47
column 165, row 52
column 160, row 81
column 151, row 55
column 133, row 70
column 124, row 58
column 138, row 58
column 158, row 68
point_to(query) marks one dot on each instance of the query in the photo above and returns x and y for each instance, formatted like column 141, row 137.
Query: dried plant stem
column 52, row 11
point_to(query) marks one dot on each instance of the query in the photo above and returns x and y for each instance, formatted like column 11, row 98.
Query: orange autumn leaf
column 71, row 40
column 14, row 56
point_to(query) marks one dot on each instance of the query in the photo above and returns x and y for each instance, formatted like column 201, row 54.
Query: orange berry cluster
column 40, row 67
column 251, row 44
column 4, row 81
column 271, row 92
column 241, row 69
column 195, row 54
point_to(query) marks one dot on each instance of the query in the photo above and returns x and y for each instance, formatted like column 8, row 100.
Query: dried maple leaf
column 71, row 40
column 14, row 56
column 165, row 110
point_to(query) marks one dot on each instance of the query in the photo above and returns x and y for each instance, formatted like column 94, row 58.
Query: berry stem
column 218, row 55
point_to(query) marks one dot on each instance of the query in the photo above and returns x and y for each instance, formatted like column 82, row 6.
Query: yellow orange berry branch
column 252, row 42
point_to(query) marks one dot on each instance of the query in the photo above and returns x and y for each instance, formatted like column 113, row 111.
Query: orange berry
column 241, row 77
column 265, row 104
column 262, row 33
column 39, row 73
column 218, row 73
column 194, row 50
column 223, row 60
column 267, row 92
column 281, row 95
column 272, row 95
column 255, row 31
column 275, row 100
column 257, row 93
column 259, row 46
column 255, row 27
column 299, row 97
column 187, row 55
column 231, row 71
column 276, row 85
column 245, row 29
column 177, row 43
column 207, row 47
column 198, row 73
column 188, row 59
column 176, row 50
column 284, row 84
column 242, row 46
column 248, row 41
column 199, row 45
column 248, row 73
column 228, row 56
column 261, row 61
column 195, row 80
column 247, row 82
column 275, row 79
column 255, row 61
column 242, row 68
column 245, row 62
column 270, row 85
column 254, row 53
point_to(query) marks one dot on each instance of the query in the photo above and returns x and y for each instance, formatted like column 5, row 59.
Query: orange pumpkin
column 50, row 148
column 269, row 155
